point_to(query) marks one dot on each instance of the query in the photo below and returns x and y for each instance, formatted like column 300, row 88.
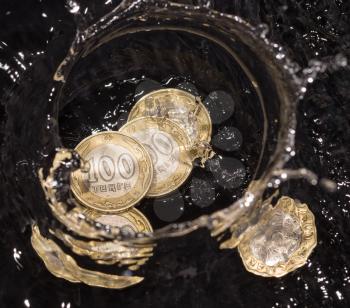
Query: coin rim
column 92, row 214
column 71, row 271
column 184, row 154
column 299, row 257
column 100, row 208
column 203, row 135
column 81, row 247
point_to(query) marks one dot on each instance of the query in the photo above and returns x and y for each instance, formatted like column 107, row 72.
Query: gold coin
column 118, row 175
column 180, row 107
column 168, row 146
column 64, row 266
column 131, row 222
column 281, row 242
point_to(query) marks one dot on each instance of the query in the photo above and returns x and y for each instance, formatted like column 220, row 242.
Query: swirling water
column 321, row 146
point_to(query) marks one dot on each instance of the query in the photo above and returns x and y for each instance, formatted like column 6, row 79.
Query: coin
column 62, row 265
column 168, row 145
column 130, row 222
column 179, row 106
column 118, row 175
column 282, row 240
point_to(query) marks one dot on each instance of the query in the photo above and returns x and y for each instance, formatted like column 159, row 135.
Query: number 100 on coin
column 118, row 172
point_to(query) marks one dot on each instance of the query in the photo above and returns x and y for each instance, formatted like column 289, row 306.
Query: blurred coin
column 130, row 222
column 179, row 106
column 131, row 219
column 168, row 146
column 119, row 172
column 64, row 266
column 281, row 241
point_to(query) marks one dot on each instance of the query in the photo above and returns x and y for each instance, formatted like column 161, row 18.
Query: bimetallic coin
column 130, row 222
column 64, row 266
column 281, row 242
column 119, row 172
column 168, row 146
column 179, row 106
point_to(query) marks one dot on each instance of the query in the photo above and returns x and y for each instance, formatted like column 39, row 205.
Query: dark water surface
column 190, row 271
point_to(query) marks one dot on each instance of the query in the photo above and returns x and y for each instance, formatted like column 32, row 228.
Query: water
column 106, row 107
column 321, row 281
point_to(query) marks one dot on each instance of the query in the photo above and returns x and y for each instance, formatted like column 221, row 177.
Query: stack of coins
column 150, row 156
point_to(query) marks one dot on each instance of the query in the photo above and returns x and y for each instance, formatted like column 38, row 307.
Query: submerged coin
column 168, row 145
column 119, row 172
column 179, row 106
column 281, row 242
column 130, row 222
column 64, row 266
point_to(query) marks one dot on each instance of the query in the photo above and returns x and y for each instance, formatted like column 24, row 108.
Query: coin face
column 281, row 242
column 119, row 172
column 167, row 144
column 179, row 106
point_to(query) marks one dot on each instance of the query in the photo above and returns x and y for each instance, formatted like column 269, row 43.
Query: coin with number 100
column 179, row 106
column 169, row 146
column 118, row 175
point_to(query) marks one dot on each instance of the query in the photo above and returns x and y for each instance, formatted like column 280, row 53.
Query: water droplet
column 73, row 6
column 330, row 185
column 341, row 60
column 263, row 29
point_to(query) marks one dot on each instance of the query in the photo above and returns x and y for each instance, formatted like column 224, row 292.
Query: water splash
column 244, row 211
column 221, row 220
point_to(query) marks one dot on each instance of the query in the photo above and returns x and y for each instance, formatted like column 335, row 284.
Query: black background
column 192, row 271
